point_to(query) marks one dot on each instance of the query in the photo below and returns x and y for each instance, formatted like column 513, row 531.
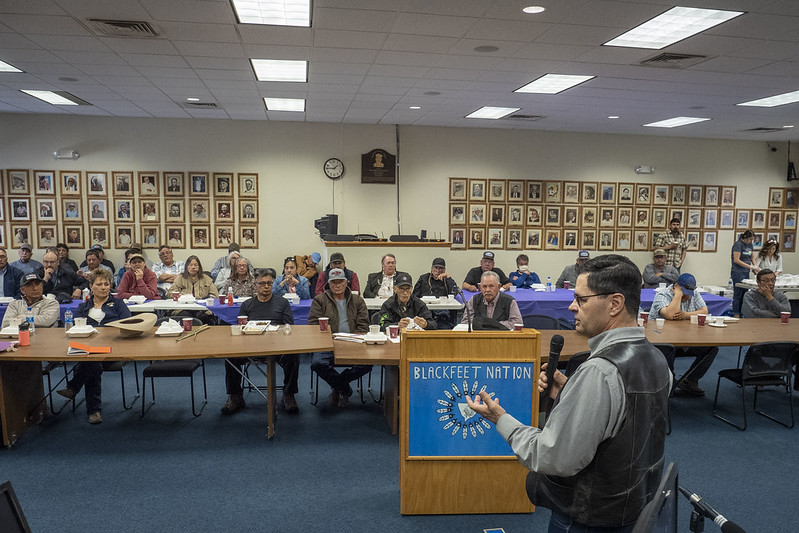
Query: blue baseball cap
column 316, row 257
column 688, row 284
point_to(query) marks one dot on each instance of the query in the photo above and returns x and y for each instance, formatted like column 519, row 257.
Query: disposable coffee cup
column 374, row 329
column 187, row 324
column 661, row 285
column 80, row 321
column 518, row 327
column 393, row 331
column 323, row 322
column 175, row 296
column 513, row 288
column 222, row 299
column 235, row 330
column 784, row 316
column 660, row 322
column 719, row 320
column 241, row 320
column 640, row 322
column 694, row 320
column 700, row 319
column 645, row 317
column 567, row 284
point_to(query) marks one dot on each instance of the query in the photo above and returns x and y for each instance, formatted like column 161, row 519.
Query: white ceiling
column 372, row 59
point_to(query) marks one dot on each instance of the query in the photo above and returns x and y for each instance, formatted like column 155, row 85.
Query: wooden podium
column 452, row 461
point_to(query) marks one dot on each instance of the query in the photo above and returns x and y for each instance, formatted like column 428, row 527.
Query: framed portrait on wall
column 553, row 216
column 476, row 238
column 45, row 181
column 98, row 210
column 788, row 241
column 149, row 183
column 589, row 193
column 789, row 222
column 200, row 236
column 773, row 236
column 477, row 213
column 150, row 235
column 553, row 239
column 72, row 210
column 45, row 209
column 148, row 209
column 533, row 239
column 728, row 196
column 224, row 236
column 20, row 209
column 659, row 219
column 457, row 238
column 709, row 241
column 571, row 192
column 477, row 190
column 534, row 215
column 606, row 239
column 174, row 183
column 742, row 218
column 695, row 195
column 496, row 190
column 223, row 210
column 3, row 242
column 758, row 219
column 694, row 218
column 774, row 219
column 641, row 217
column 626, row 191
column 678, row 194
column 223, row 184
column 457, row 189
column 249, row 236
column 692, row 238
column 70, row 182
column 514, row 240
column 679, row 214
column 17, row 182
column 248, row 185
column 711, row 219
column 757, row 242
column 122, row 183
column 588, row 239
column 20, row 234
column 123, row 210
column 571, row 216
column 248, row 211
column 640, row 240
column 98, row 183
column 124, row 236
column 726, row 219
column 175, row 236
column 660, row 196
column 643, row 194
column 607, row 193
column 174, row 210
column 625, row 219
column 497, row 214
column 775, row 197
column 515, row 215
column 47, row 236
column 199, row 210
column 534, row 191
column 198, row 184
column 623, row 239
column 589, row 218
column 553, row 192
column 570, row 239
column 457, row 214
column 2, row 210
column 712, row 199
column 98, row 234
column 515, row 191
column 74, row 235
column 791, row 198
column 607, row 216
column 496, row 238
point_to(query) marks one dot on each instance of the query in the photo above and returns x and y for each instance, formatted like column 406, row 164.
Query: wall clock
column 334, row 168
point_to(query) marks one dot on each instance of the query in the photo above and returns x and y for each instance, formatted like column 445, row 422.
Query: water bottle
column 230, row 295
column 29, row 320
column 68, row 320
column 729, row 288
column 549, row 283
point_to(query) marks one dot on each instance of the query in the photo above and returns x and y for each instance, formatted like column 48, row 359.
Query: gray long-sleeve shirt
column 569, row 273
column 757, row 306
column 668, row 275
column 590, row 410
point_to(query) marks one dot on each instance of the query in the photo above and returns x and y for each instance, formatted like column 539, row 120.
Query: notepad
column 76, row 348
column 7, row 346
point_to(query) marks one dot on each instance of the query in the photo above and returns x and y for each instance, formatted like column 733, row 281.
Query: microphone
column 555, row 347
column 465, row 308
column 702, row 507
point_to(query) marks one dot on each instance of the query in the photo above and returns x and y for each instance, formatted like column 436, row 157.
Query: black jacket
column 427, row 286
column 66, row 281
column 390, row 312
column 374, row 281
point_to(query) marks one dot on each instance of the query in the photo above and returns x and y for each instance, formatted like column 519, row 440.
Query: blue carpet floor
column 332, row 470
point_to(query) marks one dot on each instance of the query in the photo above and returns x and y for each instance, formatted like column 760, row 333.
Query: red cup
column 567, row 284
column 187, row 323
column 393, row 331
column 222, row 299
column 784, row 316
column 645, row 317
column 175, row 296
column 518, row 327
column 700, row 319
column 241, row 320
column 323, row 322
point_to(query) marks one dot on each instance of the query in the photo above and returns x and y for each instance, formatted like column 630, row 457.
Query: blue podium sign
column 440, row 422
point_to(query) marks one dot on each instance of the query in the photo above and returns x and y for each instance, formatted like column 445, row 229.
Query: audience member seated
column 658, row 271
column 45, row 310
column 224, row 261
column 381, row 284
column 769, row 257
column 138, row 279
column 25, row 264
column 168, row 269
column 241, row 281
column 63, row 256
column 264, row 306
column 124, row 268
column 347, row 313
column 337, row 261
column 522, row 277
column 92, row 262
column 61, row 280
column 98, row 310
column 307, row 268
column 225, row 272
column 291, row 282
column 9, row 277
column 193, row 281
column 473, row 277
column 440, row 284
column 403, row 307
column 764, row 301
column 679, row 302
column 491, row 306
column 103, row 261
column 571, row 272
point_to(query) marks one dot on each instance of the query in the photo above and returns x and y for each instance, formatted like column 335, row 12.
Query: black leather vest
column 501, row 309
column 625, row 472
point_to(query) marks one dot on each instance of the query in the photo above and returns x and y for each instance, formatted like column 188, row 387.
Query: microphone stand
column 465, row 308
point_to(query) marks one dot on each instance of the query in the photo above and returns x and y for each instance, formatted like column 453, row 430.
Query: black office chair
column 766, row 364
column 119, row 366
column 174, row 369
column 540, row 322
column 47, row 371
column 358, row 388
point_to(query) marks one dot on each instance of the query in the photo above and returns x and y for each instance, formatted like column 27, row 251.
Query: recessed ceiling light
column 192, row 99
column 415, row 107
column 5, row 67
column 56, row 97
column 674, row 25
column 274, row 12
column 280, row 70
column 774, row 101
column 285, row 104
column 613, row 116
column 534, row 9
column 492, row 112
column 788, row 126
column 676, row 121
column 552, row 83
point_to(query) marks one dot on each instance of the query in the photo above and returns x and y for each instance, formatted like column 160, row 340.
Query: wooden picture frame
column 553, row 192
column 44, row 182
column 476, row 238
column 149, row 210
column 19, row 209
column 693, row 239
column 534, row 216
column 122, row 184
column 71, row 210
column 758, row 220
column 223, row 211
column 248, row 185
column 588, row 239
column 175, row 235
column 659, row 217
column 695, row 195
column 710, row 219
column 676, row 213
column 626, row 193
column 200, row 235
column 742, row 217
column 248, row 211
column 588, row 216
column 496, row 190
column 774, row 236
column 17, row 181
column 73, row 235
column 223, row 184
column 457, row 214
column 709, row 241
column 774, row 219
column 3, row 243
column 624, row 239
column 788, row 242
column 571, row 216
column 249, row 237
column 457, row 189
column 174, row 210
column 625, row 217
column 174, row 184
column 149, row 183
column 606, row 239
column 496, row 238
column 150, row 236
column 660, row 195
column 20, row 234
column 199, row 184
column 200, row 210
column 726, row 219
column 571, row 192
column 757, row 242
column 46, row 210
column 70, row 182
column 728, row 195
column 98, row 210
column 457, row 238
column 641, row 240
column 570, row 241
column 791, row 198
column 477, row 190
column 711, row 197
column 553, row 239
column 514, row 239
column 97, row 183
column 775, row 197
column 46, row 236
column 588, row 193
column 533, row 238
column 789, row 220
column 515, row 215
column 643, row 194
column 694, row 218
column 607, row 193
column 515, row 190
column 99, row 234
column 124, row 236
column 553, row 216
column 607, row 216
column 678, row 195
column 534, row 191
column 123, row 210
column 477, row 214
column 642, row 217
column 2, row 210
column 223, row 235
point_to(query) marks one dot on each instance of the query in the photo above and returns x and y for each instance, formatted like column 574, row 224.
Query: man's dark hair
column 522, row 257
column 763, row 272
column 93, row 252
column 62, row 245
column 612, row 273
column 261, row 272
column 675, row 219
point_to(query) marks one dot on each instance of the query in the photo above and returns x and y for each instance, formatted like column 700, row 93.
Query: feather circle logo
column 456, row 415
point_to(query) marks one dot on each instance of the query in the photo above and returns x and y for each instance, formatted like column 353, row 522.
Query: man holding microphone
column 599, row 458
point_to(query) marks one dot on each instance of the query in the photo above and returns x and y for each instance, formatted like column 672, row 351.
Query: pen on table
column 656, row 331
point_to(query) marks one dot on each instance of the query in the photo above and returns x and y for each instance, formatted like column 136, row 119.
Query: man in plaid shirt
column 674, row 244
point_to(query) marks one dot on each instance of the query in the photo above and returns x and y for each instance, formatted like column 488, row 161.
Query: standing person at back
column 742, row 264
column 674, row 243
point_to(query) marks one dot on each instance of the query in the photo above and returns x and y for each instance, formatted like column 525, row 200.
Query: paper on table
column 76, row 348
column 6, row 346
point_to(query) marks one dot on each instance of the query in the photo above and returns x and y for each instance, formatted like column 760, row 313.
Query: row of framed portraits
column 69, row 210
column 592, row 216
column 121, row 236
column 585, row 192
column 595, row 239
column 71, row 183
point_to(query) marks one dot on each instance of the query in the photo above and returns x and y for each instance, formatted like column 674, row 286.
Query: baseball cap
column 27, row 278
column 336, row 273
column 688, row 284
column 403, row 279
column 439, row 262
column 337, row 256
column 659, row 252
column 25, row 246
column 583, row 254
column 488, row 255
column 135, row 255
column 97, row 247
column 316, row 257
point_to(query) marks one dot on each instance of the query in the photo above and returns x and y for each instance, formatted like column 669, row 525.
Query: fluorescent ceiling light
column 415, row 107
column 56, row 97
column 534, row 9
column 676, row 121
column 274, row 12
column 5, row 67
column 492, row 112
column 674, row 25
column 285, row 104
column 280, row 70
column 553, row 83
column 774, row 101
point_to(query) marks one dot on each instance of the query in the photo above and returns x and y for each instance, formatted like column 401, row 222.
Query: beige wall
column 294, row 191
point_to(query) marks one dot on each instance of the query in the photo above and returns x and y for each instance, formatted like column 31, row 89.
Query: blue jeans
column 738, row 293
column 89, row 375
column 561, row 523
